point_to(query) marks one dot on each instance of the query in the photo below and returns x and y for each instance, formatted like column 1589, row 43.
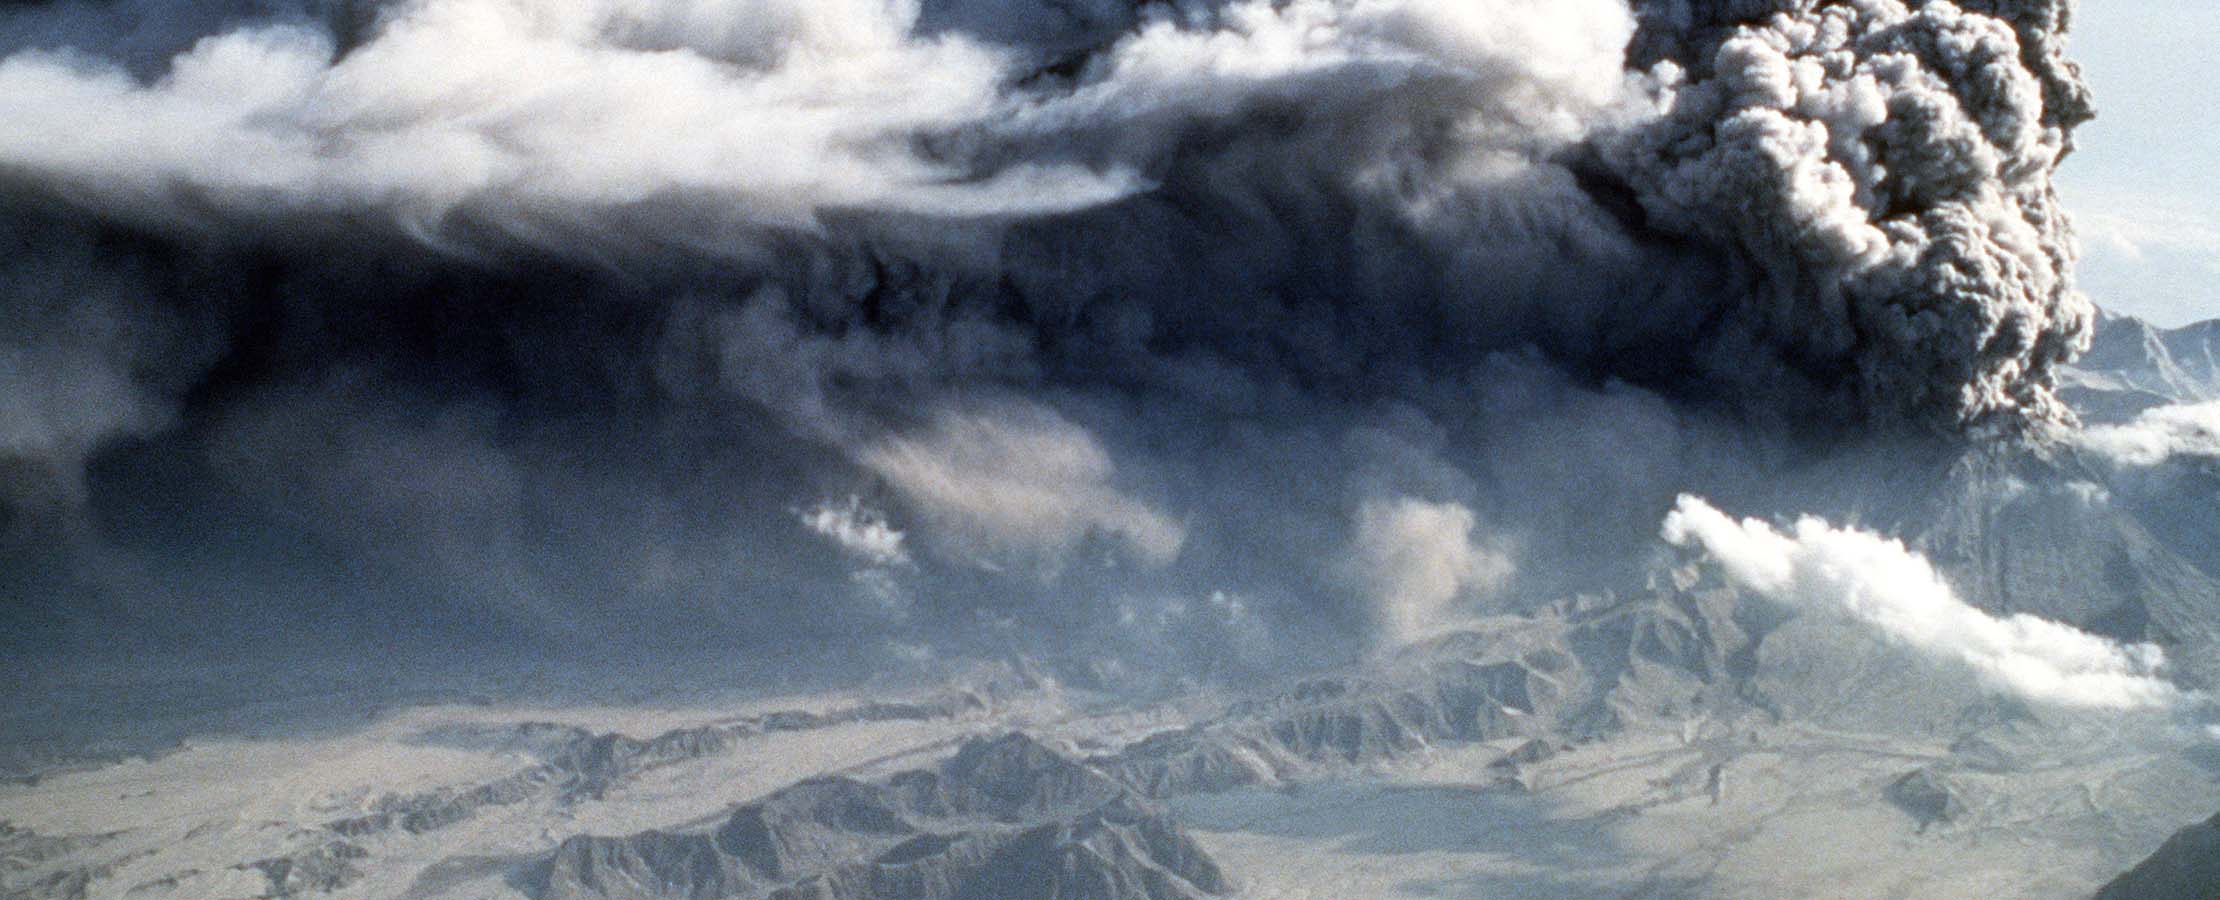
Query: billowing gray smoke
column 1885, row 167
column 1194, row 330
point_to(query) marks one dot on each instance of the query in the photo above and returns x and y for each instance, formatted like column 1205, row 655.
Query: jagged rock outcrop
column 66, row 884
column 1003, row 818
column 22, row 848
column 1928, row 796
column 319, row 869
column 2186, row 867
column 34, row 866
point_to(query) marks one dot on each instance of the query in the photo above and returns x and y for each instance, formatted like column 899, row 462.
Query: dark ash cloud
column 584, row 323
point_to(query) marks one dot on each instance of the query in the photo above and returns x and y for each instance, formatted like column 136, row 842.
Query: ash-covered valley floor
column 1606, row 749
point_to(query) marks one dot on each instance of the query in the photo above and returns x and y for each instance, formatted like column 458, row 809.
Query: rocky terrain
column 1682, row 739
column 1002, row 817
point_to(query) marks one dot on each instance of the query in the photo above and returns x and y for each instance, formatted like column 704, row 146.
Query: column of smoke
column 871, row 324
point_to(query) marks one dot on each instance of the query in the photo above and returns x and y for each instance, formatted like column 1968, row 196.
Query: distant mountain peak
column 2133, row 366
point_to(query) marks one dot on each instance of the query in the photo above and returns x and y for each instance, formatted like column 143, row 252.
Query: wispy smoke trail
column 2158, row 435
column 1876, row 580
column 1018, row 487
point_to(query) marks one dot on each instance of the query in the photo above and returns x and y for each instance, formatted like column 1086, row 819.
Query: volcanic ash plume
column 1884, row 170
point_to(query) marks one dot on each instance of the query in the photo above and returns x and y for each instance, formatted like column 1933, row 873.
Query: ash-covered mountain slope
column 576, row 763
column 2133, row 366
column 1686, row 652
column 402, row 807
column 1006, row 817
column 2186, row 868
column 1011, row 817
column 2065, row 525
column 1574, row 671
column 2051, row 532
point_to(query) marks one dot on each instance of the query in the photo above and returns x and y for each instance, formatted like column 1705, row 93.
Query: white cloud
column 2158, row 435
column 1878, row 581
column 1018, row 485
column 1415, row 561
column 2139, row 228
column 611, row 122
column 546, row 117
column 2146, row 254
column 859, row 531
column 864, row 535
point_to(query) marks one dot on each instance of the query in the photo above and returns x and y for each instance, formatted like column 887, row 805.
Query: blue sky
column 2145, row 184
